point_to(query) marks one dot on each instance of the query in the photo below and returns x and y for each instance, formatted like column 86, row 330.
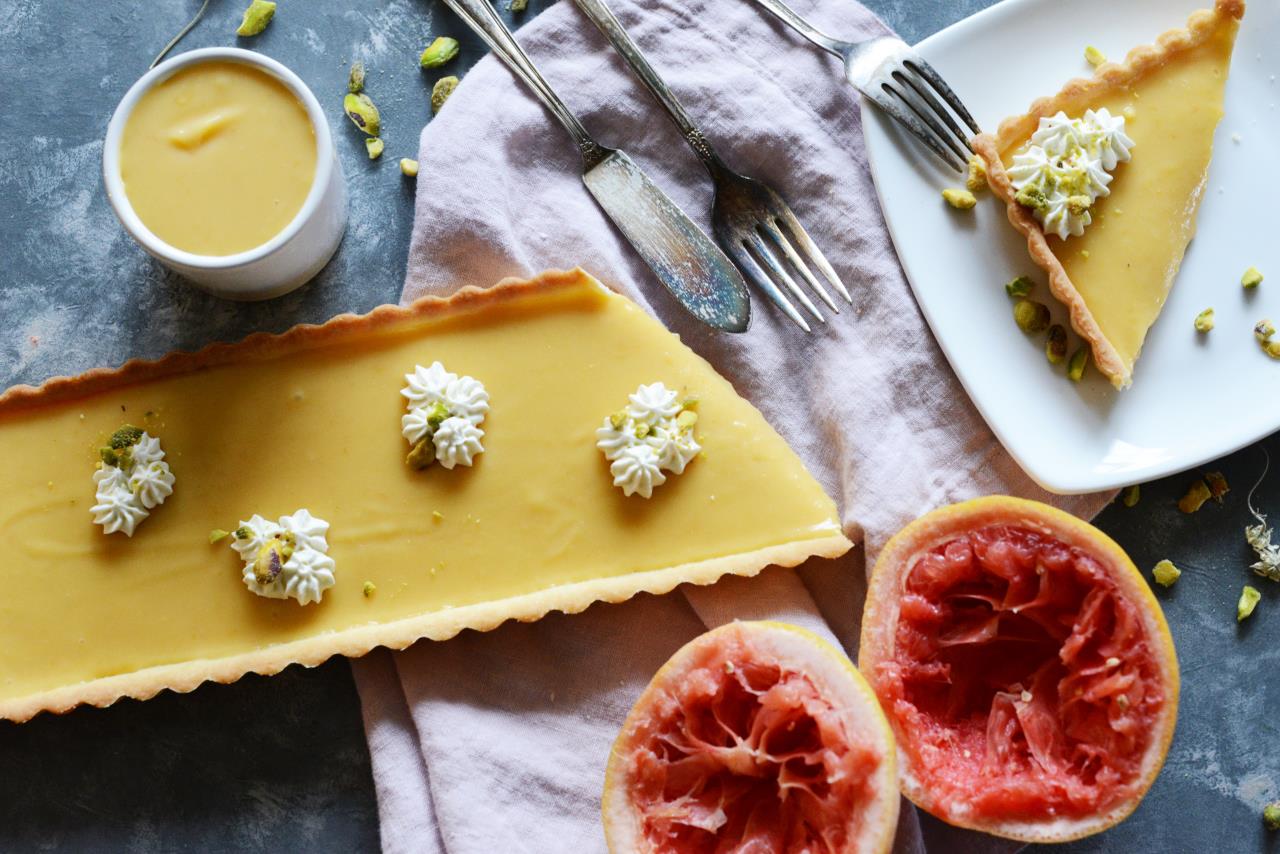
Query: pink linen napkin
column 498, row 741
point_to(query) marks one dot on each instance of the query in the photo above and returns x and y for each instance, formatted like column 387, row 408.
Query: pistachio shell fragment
column 355, row 80
column 1197, row 494
column 1249, row 597
column 961, row 200
column 1217, row 483
column 1055, row 347
column 1204, row 320
column 374, row 145
column 408, row 167
column 1031, row 316
column 362, row 112
column 1075, row 368
column 441, row 91
column 256, row 18
column 440, row 51
column 1166, row 573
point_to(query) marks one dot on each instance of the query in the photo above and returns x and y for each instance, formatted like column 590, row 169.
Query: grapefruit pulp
column 756, row 737
column 1025, row 667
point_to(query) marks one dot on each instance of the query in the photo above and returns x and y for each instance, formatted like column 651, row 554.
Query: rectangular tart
column 311, row 419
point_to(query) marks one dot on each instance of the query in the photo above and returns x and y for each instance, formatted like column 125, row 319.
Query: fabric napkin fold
column 498, row 741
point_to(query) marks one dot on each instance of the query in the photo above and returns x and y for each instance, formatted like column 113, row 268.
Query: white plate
column 1193, row 397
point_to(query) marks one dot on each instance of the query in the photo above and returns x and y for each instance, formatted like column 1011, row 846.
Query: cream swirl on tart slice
column 652, row 435
column 1066, row 166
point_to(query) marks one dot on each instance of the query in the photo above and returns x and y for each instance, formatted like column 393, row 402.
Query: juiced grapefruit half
column 1026, row 669
column 756, row 737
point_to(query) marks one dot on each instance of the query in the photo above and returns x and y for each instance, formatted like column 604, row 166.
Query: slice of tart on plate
column 1105, row 177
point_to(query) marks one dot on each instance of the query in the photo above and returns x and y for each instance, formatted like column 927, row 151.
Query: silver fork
column 899, row 81
column 751, row 222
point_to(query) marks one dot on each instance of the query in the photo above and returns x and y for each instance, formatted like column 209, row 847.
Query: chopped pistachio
column 1251, row 278
column 1078, row 205
column 617, row 420
column 1075, row 368
column 518, row 5
column 1271, row 815
column 355, row 80
column 126, row 437
column 437, row 515
column 408, row 168
column 1032, row 197
column 976, row 177
column 961, row 200
column 1122, row 701
column 1204, row 320
column 1019, row 287
column 374, row 145
column 441, row 91
column 642, row 430
column 1197, row 494
column 439, row 52
column 1093, row 56
column 110, row 457
column 1129, row 114
column 1166, row 573
column 217, row 535
column 686, row 419
column 422, row 455
column 1055, row 347
column 1217, row 485
column 271, row 559
column 436, row 415
column 690, row 402
column 1131, row 495
column 1249, row 597
column 1031, row 316
column 256, row 18
column 1263, row 330
column 242, row 533
column 362, row 112
column 369, row 589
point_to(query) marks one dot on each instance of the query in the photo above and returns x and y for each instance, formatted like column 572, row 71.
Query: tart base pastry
column 311, row 418
column 1114, row 278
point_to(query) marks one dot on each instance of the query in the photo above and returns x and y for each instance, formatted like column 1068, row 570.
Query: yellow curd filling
column 218, row 158
column 320, row 429
column 1125, row 262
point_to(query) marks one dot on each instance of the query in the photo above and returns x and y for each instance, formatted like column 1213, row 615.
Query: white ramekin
column 284, row 262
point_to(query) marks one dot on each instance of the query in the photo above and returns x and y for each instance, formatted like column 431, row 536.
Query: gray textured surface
column 280, row 764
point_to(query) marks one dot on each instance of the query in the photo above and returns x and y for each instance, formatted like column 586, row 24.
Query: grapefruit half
column 1025, row 667
column 758, row 737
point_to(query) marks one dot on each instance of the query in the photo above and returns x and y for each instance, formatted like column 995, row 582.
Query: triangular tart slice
column 1115, row 276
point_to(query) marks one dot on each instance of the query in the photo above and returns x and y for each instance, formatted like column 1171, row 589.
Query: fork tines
column 772, row 249
column 907, row 90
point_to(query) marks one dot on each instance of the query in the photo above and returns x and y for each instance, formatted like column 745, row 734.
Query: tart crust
column 571, row 597
column 1200, row 27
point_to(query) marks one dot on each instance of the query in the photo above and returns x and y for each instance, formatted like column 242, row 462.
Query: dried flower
column 1259, row 536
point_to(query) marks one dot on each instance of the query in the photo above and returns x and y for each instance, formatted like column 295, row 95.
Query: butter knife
column 680, row 254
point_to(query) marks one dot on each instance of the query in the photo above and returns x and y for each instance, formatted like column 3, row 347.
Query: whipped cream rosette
column 132, row 481
column 444, row 415
column 651, row 436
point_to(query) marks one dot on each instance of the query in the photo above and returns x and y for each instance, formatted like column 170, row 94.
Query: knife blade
column 680, row 254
